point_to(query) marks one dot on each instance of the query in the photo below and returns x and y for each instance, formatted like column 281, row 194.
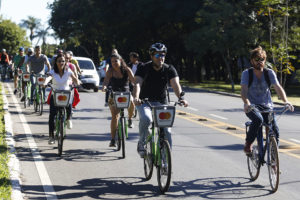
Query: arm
column 130, row 75
column 244, row 95
column 138, row 81
column 281, row 93
column 77, row 67
column 48, row 64
column 177, row 90
column 106, row 80
column 75, row 79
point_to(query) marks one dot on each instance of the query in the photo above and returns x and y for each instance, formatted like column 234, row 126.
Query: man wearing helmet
column 151, row 81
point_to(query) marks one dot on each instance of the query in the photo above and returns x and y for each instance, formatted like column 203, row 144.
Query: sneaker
column 23, row 98
column 15, row 91
column 106, row 104
column 51, row 141
column 130, row 124
column 112, row 143
column 141, row 149
column 69, row 124
column 247, row 148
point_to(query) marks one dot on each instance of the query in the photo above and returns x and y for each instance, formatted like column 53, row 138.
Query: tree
column 12, row 36
column 32, row 24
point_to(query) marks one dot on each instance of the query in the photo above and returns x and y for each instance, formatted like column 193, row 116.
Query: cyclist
column 74, row 62
column 37, row 64
column 4, row 61
column 151, row 81
column 23, row 63
column 108, row 66
column 17, row 65
column 258, row 93
column 118, row 76
column 60, row 75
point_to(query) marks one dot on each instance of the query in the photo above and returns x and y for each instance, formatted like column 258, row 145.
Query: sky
column 16, row 10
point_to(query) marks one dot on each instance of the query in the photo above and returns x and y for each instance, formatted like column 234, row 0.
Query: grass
column 293, row 92
column 5, row 185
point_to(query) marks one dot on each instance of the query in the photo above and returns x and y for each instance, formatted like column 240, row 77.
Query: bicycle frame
column 156, row 135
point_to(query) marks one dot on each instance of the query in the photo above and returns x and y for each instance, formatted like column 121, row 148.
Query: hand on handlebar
column 137, row 101
column 289, row 106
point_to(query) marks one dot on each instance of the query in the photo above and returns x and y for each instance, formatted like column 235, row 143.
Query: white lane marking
column 38, row 160
column 191, row 108
column 294, row 140
column 217, row 116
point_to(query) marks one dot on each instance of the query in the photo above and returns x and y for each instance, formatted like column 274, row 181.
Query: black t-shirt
column 155, row 82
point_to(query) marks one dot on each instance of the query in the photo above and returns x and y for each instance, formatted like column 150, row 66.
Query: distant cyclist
column 256, row 90
column 4, row 61
column 74, row 62
column 118, row 76
column 36, row 65
column 107, row 66
column 18, row 65
column 23, row 63
column 151, row 81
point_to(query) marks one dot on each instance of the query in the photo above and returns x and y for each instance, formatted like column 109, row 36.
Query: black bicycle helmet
column 157, row 47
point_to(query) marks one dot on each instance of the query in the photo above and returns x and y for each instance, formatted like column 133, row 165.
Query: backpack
column 266, row 75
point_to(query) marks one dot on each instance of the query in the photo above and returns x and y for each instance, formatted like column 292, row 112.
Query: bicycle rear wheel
column 60, row 137
column 118, row 136
column 164, row 167
column 273, row 165
column 148, row 160
column 253, row 162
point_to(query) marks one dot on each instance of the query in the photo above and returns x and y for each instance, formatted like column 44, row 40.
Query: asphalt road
column 208, row 161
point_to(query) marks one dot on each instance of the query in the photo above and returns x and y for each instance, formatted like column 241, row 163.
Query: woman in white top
column 60, row 75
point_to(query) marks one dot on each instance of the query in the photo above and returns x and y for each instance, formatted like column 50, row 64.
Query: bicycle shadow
column 138, row 188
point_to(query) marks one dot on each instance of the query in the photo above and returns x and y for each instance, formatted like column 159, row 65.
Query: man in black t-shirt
column 151, row 81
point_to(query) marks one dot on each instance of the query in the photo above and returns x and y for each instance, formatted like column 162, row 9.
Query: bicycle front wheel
column 164, row 168
column 25, row 97
column 148, row 160
column 253, row 162
column 273, row 165
column 123, row 137
column 40, row 102
column 60, row 137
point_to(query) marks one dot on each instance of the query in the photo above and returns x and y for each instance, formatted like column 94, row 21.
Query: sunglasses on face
column 259, row 59
column 159, row 55
column 61, row 61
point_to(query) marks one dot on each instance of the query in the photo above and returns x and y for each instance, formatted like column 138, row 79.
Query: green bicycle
column 27, row 89
column 19, row 86
column 157, row 148
column 38, row 94
column 61, row 102
column 122, row 100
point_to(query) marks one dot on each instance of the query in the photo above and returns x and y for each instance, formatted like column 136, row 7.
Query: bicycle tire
column 117, row 136
column 253, row 162
column 41, row 102
column 60, row 137
column 123, row 137
column 164, row 167
column 273, row 165
column 35, row 102
column 25, row 97
column 148, row 160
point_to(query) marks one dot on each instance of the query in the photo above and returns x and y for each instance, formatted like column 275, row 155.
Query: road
column 208, row 161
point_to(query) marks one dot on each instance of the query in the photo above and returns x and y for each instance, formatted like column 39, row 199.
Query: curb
column 13, row 164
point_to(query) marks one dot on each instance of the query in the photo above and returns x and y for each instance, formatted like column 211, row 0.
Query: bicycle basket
column 26, row 77
column 163, row 116
column 41, row 79
column 61, row 98
column 122, row 99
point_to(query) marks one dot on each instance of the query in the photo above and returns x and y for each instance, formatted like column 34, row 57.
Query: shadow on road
column 138, row 188
column 232, row 147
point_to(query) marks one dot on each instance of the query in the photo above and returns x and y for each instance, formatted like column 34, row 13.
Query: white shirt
column 61, row 83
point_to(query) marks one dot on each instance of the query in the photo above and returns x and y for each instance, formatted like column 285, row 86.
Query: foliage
column 32, row 24
column 12, row 36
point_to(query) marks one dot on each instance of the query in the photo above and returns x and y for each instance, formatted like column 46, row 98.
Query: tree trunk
column 225, row 58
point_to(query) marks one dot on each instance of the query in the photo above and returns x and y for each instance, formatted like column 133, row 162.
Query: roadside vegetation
column 5, row 185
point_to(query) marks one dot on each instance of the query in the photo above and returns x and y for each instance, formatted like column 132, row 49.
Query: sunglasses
column 61, row 61
column 259, row 59
column 159, row 55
